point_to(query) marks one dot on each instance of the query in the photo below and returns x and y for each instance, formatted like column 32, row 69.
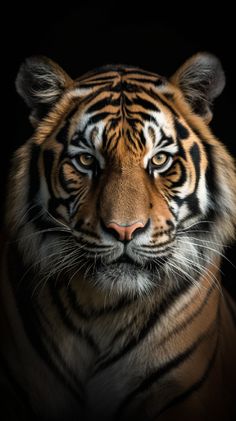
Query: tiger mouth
column 126, row 261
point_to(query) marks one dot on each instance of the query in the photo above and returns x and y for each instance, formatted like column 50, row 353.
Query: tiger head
column 122, row 183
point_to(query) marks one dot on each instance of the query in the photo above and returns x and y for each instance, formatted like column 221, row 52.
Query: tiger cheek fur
column 118, row 212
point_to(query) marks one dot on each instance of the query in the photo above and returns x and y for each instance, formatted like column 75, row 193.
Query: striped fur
column 93, row 327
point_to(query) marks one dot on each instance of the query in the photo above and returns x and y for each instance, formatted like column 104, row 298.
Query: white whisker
column 207, row 248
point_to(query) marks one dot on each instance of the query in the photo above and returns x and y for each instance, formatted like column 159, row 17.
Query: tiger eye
column 86, row 159
column 160, row 159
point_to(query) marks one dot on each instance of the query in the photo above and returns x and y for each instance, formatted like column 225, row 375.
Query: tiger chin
column 118, row 211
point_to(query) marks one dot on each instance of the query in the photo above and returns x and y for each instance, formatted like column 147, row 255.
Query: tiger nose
column 124, row 232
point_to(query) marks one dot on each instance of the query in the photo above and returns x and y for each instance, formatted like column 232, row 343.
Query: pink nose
column 125, row 233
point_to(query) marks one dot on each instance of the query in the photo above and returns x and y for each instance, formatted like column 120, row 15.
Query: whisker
column 196, row 223
column 201, row 240
column 29, row 209
column 35, row 233
column 208, row 248
column 57, row 221
column 200, row 270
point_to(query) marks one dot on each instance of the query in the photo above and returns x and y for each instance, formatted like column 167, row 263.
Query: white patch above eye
column 161, row 122
column 92, row 145
column 76, row 150
column 83, row 120
column 154, row 142
column 97, row 140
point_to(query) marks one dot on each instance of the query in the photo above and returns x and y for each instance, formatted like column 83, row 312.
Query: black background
column 152, row 35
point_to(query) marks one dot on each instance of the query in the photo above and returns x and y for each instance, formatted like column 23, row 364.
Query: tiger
column 118, row 212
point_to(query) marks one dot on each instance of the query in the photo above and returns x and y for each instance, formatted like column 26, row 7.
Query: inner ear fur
column 41, row 82
column 201, row 79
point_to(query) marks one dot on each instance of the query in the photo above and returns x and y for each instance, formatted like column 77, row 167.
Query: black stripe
column 196, row 158
column 183, row 396
column 67, row 320
column 113, row 145
column 96, row 77
column 91, row 234
column 192, row 200
column 132, row 142
column 181, row 180
column 141, row 72
column 181, row 130
column 146, row 328
column 168, row 95
column 93, row 84
column 193, row 316
column 165, row 140
column 144, row 116
column 128, row 86
column 62, row 135
column 154, row 95
column 142, row 138
column 69, row 185
column 106, row 141
column 34, row 331
column 95, row 93
column 127, row 100
column 99, row 105
column 146, row 80
column 118, row 334
column 27, row 308
column 78, row 139
column 147, row 105
column 60, row 358
column 95, row 313
column 211, row 177
column 133, row 122
column 98, row 117
column 166, row 368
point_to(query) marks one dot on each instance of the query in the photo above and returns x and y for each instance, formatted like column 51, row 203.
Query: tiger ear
column 201, row 79
column 41, row 82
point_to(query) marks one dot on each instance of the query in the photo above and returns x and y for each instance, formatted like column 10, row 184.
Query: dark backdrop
column 154, row 36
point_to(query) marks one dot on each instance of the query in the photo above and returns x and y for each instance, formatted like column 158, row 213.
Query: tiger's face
column 131, row 178
column 119, row 168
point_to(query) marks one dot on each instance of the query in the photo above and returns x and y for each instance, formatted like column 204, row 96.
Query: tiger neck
column 79, row 312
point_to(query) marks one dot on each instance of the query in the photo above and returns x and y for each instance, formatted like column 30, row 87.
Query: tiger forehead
column 109, row 130
column 125, row 108
column 119, row 73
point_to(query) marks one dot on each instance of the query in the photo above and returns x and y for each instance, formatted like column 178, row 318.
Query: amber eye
column 86, row 160
column 160, row 159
